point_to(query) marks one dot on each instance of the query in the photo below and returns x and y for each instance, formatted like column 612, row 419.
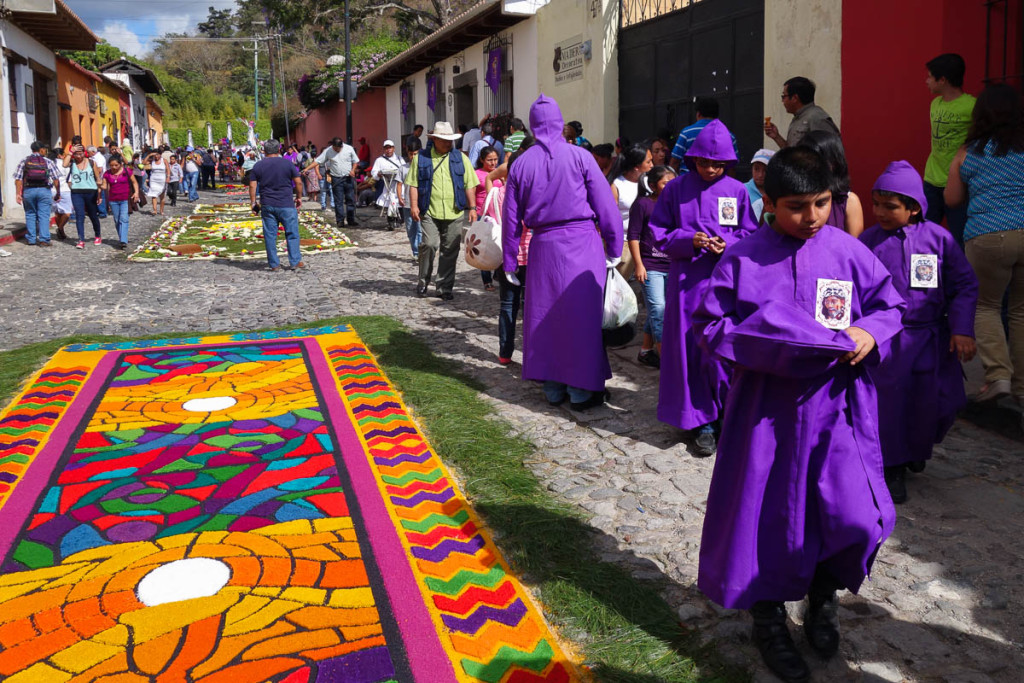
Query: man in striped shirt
column 707, row 111
column 516, row 137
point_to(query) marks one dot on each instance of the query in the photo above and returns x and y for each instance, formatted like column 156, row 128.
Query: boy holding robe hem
column 797, row 504
column 920, row 386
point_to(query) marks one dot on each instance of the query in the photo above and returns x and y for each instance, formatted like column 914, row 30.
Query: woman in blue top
column 989, row 169
column 83, row 178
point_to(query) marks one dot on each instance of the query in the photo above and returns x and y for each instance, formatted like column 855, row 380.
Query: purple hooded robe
column 920, row 386
column 558, row 190
column 798, row 478
column 692, row 386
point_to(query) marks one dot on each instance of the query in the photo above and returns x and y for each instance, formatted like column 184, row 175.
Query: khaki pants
column 998, row 262
column 444, row 237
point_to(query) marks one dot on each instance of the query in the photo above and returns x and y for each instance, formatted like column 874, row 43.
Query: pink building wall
column 369, row 120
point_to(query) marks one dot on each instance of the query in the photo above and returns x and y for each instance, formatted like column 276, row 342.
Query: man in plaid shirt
column 33, row 178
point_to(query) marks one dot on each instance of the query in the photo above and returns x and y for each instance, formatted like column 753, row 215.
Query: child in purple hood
column 920, row 386
column 698, row 216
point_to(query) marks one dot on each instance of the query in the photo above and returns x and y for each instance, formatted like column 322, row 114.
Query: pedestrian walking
column 33, row 178
column 121, row 188
column 280, row 195
column 157, row 190
column 84, row 178
column 339, row 163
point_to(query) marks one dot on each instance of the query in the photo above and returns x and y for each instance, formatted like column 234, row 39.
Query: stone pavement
column 944, row 602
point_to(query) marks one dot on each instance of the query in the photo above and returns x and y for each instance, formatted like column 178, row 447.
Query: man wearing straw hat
column 439, row 184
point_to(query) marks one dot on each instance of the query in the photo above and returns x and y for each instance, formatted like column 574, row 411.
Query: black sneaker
column 650, row 358
column 896, row 480
column 706, row 444
column 821, row 624
column 775, row 643
column 596, row 399
column 917, row 466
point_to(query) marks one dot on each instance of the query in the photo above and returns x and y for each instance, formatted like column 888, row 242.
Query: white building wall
column 592, row 100
column 20, row 42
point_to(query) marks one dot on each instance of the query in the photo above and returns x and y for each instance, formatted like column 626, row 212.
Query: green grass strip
column 623, row 628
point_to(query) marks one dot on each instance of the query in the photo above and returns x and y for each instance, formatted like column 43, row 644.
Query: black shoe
column 650, row 358
column 706, row 445
column 917, row 466
column 421, row 291
column 821, row 624
column 558, row 402
column 123, row 245
column 353, row 222
column 775, row 643
column 597, row 398
column 445, row 296
column 896, row 480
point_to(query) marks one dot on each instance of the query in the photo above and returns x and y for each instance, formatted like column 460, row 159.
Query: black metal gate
column 712, row 48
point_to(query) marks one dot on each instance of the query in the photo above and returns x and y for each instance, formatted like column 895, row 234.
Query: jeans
column 288, row 216
column 654, row 299
column 192, row 185
column 344, row 192
column 325, row 195
column 510, row 296
column 413, row 230
column 120, row 213
column 444, row 236
column 38, row 202
column 104, row 204
column 998, row 262
column 556, row 391
column 209, row 181
column 955, row 218
column 85, row 203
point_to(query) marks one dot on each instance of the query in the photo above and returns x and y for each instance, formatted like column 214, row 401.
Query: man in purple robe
column 558, row 191
column 920, row 386
column 698, row 215
column 797, row 504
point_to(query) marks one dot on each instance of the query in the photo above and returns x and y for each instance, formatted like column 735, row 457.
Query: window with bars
column 636, row 11
column 12, row 82
column 435, row 82
column 498, row 61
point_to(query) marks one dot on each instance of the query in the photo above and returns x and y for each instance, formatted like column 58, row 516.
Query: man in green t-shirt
column 950, row 118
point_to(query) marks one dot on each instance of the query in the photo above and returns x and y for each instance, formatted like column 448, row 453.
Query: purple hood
column 901, row 177
column 546, row 123
column 713, row 142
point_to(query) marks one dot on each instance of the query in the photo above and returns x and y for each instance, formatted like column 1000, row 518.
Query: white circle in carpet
column 193, row 577
column 209, row 405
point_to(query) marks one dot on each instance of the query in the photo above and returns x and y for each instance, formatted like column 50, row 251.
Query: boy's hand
column 701, row 240
column 864, row 341
column 963, row 346
column 716, row 245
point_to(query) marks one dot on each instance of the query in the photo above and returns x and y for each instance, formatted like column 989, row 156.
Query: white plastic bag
column 620, row 307
column 482, row 243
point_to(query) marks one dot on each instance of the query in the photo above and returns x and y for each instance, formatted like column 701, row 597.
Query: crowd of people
column 819, row 357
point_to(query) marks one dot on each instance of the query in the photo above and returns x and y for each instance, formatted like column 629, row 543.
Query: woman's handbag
column 483, row 240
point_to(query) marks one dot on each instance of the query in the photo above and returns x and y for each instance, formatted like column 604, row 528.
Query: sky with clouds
column 133, row 25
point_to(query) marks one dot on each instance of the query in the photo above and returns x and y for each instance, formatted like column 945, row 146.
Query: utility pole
column 270, row 57
column 348, row 80
column 256, row 77
column 284, row 90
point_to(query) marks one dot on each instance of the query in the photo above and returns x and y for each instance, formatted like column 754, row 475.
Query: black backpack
column 35, row 172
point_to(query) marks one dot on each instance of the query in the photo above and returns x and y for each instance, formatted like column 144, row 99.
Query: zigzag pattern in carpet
column 496, row 632
column 24, row 426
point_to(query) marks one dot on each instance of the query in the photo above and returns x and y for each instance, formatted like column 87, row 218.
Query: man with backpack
column 32, row 179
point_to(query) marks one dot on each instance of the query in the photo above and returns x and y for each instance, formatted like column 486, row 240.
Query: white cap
column 389, row 143
column 763, row 156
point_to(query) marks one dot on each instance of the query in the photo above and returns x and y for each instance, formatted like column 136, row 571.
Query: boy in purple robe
column 920, row 386
column 557, row 190
column 698, row 216
column 797, row 504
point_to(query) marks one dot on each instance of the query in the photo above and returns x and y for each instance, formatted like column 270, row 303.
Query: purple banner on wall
column 432, row 91
column 406, row 97
column 494, row 69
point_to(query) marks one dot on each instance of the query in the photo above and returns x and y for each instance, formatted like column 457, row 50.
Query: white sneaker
column 4, row 253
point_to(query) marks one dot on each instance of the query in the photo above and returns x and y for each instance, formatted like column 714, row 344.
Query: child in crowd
column 920, row 386
column 649, row 265
column 697, row 216
column 174, row 177
column 797, row 504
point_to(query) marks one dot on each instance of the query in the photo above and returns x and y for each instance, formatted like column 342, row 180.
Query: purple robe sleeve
column 961, row 289
column 669, row 237
column 511, row 224
column 881, row 306
column 776, row 338
column 601, row 200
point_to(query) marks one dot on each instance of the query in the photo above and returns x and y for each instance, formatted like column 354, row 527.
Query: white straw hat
column 443, row 130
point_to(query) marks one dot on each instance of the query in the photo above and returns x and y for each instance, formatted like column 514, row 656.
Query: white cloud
column 119, row 35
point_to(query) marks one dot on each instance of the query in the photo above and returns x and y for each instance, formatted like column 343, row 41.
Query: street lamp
column 348, row 80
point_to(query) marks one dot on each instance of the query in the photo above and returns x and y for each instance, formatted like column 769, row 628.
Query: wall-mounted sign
column 568, row 62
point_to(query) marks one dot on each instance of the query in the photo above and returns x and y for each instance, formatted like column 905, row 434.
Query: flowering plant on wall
column 321, row 87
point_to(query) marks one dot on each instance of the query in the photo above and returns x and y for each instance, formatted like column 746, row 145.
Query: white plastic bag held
column 620, row 307
column 483, row 240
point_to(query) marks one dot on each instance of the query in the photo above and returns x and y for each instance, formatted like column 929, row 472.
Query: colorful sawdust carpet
column 232, row 232
column 255, row 507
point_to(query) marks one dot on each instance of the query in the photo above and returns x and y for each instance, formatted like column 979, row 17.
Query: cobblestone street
column 946, row 599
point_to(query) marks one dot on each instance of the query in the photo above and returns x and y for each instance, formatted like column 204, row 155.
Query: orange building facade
column 78, row 100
